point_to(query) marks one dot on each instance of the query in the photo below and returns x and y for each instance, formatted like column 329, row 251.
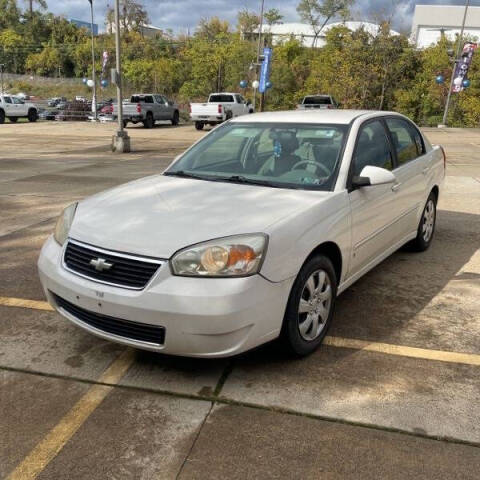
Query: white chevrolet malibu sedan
column 248, row 236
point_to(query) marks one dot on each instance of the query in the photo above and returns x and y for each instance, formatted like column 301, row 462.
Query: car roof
column 342, row 117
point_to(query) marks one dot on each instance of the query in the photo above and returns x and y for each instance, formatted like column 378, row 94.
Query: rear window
column 221, row 99
column 317, row 101
column 141, row 99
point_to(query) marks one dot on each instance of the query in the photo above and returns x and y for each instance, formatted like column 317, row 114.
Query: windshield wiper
column 183, row 174
column 250, row 181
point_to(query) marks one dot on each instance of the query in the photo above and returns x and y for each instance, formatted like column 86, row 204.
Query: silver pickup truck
column 148, row 108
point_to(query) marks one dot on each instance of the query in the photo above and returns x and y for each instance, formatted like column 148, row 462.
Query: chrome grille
column 115, row 268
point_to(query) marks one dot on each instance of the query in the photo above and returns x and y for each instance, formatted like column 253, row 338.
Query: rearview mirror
column 371, row 176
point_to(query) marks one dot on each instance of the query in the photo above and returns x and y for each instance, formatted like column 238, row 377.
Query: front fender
column 292, row 240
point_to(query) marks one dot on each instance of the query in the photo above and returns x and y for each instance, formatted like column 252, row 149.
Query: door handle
column 396, row 187
column 426, row 170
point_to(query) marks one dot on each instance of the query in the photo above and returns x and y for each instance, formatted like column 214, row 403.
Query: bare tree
column 42, row 4
column 132, row 15
column 317, row 13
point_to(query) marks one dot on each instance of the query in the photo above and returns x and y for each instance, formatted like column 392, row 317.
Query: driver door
column 374, row 208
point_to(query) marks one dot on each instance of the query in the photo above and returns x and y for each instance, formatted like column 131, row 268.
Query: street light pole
column 460, row 41
column 120, row 141
column 94, row 78
column 258, row 51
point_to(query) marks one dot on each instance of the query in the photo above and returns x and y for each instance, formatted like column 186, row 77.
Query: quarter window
column 373, row 148
column 407, row 140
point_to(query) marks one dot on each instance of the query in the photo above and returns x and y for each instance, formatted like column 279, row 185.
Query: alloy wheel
column 315, row 304
column 428, row 221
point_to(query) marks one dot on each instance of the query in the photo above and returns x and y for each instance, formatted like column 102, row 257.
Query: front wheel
column 426, row 227
column 310, row 306
column 32, row 115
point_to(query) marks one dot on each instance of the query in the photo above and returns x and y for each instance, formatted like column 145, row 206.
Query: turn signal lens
column 236, row 256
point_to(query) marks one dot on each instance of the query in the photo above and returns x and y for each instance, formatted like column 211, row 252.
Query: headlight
column 64, row 223
column 236, row 256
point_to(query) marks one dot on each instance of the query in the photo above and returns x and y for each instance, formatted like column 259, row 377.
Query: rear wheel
column 2, row 116
column 32, row 115
column 176, row 118
column 125, row 123
column 13, row 119
column 199, row 125
column 310, row 306
column 426, row 227
column 148, row 122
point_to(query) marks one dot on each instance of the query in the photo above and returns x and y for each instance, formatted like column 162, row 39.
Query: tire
column 176, row 118
column 32, row 115
column 125, row 123
column 426, row 227
column 199, row 125
column 311, row 302
column 149, row 122
column 229, row 116
column 2, row 117
column 13, row 119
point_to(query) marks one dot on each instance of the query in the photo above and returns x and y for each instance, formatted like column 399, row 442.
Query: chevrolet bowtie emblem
column 100, row 264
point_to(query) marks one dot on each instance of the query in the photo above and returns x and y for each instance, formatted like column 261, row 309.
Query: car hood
column 159, row 215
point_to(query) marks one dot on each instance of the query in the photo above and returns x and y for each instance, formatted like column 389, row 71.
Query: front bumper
column 202, row 317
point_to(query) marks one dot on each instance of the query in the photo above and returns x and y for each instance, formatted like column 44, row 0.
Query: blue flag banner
column 462, row 66
column 265, row 70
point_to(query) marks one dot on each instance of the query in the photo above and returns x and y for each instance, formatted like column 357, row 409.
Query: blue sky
column 182, row 14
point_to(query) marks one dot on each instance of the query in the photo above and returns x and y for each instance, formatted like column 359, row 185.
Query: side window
column 238, row 99
column 148, row 99
column 17, row 101
column 7, row 99
column 373, row 148
column 406, row 145
column 159, row 99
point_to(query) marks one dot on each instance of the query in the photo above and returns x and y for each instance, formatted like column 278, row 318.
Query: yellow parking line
column 23, row 303
column 439, row 355
column 400, row 350
column 56, row 438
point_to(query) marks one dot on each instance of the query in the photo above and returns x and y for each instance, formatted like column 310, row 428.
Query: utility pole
column 94, row 77
column 259, row 46
column 121, row 140
column 460, row 42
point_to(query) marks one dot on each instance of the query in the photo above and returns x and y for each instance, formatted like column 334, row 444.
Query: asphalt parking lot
column 394, row 393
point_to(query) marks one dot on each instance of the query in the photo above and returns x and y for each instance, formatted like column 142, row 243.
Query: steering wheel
column 312, row 162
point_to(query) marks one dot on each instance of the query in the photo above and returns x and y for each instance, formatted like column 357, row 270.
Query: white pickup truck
column 219, row 108
column 317, row 102
column 148, row 108
column 13, row 108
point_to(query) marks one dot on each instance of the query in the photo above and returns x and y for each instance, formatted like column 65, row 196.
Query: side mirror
column 249, row 102
column 371, row 176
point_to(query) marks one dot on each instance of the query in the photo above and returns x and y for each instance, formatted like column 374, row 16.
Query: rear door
column 374, row 209
column 412, row 167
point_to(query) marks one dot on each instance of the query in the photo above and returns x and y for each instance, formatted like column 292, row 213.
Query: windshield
column 274, row 154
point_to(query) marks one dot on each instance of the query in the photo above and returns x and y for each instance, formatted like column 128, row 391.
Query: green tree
column 10, row 17
column 317, row 13
column 273, row 16
column 247, row 22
